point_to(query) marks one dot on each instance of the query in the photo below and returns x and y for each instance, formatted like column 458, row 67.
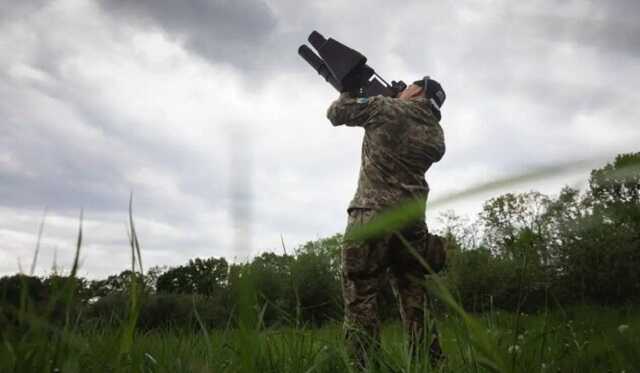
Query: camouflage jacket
column 402, row 139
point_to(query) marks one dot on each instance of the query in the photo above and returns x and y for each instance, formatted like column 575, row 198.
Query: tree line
column 524, row 252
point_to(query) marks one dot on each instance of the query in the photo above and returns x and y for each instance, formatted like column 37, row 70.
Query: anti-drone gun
column 346, row 69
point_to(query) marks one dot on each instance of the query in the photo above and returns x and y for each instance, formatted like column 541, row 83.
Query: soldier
column 402, row 139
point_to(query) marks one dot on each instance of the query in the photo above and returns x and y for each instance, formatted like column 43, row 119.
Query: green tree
column 610, row 246
column 199, row 276
column 274, row 285
column 316, row 276
column 515, row 226
column 114, row 284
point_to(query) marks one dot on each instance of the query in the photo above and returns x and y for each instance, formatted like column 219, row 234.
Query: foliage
column 199, row 276
column 574, row 248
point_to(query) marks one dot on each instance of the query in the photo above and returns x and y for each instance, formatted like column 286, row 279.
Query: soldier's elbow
column 332, row 116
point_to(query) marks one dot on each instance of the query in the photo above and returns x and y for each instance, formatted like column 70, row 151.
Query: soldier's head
column 428, row 88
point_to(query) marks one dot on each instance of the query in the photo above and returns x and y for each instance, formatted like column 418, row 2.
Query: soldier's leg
column 362, row 269
column 408, row 281
column 420, row 328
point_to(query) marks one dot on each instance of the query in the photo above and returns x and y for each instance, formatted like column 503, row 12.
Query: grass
column 585, row 339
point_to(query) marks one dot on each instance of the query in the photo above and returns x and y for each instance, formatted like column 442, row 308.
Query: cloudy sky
column 203, row 110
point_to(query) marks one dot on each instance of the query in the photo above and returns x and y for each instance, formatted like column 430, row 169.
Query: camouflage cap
column 434, row 91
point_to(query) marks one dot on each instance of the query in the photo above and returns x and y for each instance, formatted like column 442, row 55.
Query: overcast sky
column 205, row 112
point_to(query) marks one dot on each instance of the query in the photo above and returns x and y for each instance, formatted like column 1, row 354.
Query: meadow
column 579, row 339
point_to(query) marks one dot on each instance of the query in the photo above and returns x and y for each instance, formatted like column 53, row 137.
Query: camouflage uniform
column 402, row 139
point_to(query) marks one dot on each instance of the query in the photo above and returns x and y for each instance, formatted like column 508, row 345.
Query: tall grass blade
column 538, row 173
column 134, row 237
column 401, row 216
column 37, row 250
column 76, row 257
column 292, row 283
column 203, row 329
column 135, row 290
column 68, row 292
column 490, row 358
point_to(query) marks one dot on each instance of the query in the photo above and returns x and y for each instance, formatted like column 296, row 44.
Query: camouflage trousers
column 365, row 267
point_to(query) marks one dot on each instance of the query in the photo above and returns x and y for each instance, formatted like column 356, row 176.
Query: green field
column 580, row 339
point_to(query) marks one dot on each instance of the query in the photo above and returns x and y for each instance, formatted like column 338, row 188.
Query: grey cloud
column 258, row 37
column 11, row 10
column 607, row 26
column 66, row 170
column 220, row 30
column 527, row 74
column 76, row 151
column 606, row 35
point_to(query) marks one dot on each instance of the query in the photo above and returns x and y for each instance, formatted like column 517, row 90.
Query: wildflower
column 544, row 366
column 520, row 337
column 514, row 349
column 623, row 328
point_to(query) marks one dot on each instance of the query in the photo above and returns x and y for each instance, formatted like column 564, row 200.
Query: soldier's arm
column 350, row 111
column 437, row 146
